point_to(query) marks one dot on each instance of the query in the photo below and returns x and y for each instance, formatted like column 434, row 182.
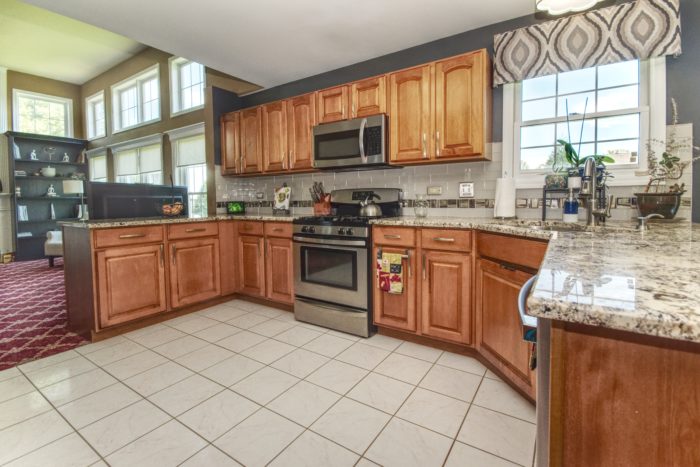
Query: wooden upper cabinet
column 410, row 115
column 274, row 126
column 333, row 104
column 446, row 315
column 251, row 140
column 462, row 105
column 279, row 270
column 368, row 97
column 301, row 118
column 194, row 271
column 230, row 143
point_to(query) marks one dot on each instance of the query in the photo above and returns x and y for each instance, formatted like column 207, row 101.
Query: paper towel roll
column 505, row 198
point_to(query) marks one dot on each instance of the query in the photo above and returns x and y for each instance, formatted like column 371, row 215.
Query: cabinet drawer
column 512, row 250
column 128, row 236
column 193, row 230
column 278, row 229
column 394, row 236
column 448, row 240
column 250, row 228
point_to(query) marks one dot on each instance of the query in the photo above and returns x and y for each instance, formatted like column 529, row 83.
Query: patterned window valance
column 641, row 29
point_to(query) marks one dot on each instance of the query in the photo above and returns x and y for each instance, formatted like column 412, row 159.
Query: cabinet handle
column 290, row 158
column 278, row 229
column 425, row 148
column 173, row 249
column 407, row 257
column 162, row 255
column 423, row 265
column 444, row 239
column 507, row 267
column 199, row 229
column 437, row 144
column 392, row 237
column 125, row 236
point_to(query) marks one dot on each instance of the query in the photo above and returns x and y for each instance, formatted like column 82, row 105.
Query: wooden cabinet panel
column 499, row 331
column 250, row 227
column 394, row 236
column 192, row 230
column 301, row 118
column 194, row 271
column 123, row 236
column 279, row 270
column 512, row 250
column 332, row 104
column 447, row 240
column 274, row 126
column 251, row 265
column 230, row 143
column 228, row 241
column 460, row 107
column 410, row 115
column 446, row 296
column 251, row 140
column 398, row 310
column 130, row 283
column 278, row 229
column 368, row 97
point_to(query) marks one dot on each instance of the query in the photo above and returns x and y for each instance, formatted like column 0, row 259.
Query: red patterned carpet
column 33, row 312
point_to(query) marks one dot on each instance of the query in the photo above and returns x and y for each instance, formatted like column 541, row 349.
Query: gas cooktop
column 341, row 221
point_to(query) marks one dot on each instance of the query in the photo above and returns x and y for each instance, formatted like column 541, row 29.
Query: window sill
column 186, row 111
column 133, row 127
column 621, row 179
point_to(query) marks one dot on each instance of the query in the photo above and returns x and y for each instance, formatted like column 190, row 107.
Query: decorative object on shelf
column 33, row 156
column 561, row 7
column 18, row 191
column 52, row 212
column 49, row 151
column 283, row 196
column 22, row 213
column 505, row 198
column 16, row 153
column 82, row 157
column 48, row 171
column 420, row 206
column 76, row 187
column 78, row 176
column 666, row 169
column 20, row 173
column 51, row 191
column 24, row 234
column 66, row 157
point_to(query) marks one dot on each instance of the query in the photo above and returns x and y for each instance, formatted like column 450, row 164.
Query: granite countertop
column 137, row 221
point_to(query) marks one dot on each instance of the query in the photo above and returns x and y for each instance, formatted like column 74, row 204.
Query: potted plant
column 662, row 194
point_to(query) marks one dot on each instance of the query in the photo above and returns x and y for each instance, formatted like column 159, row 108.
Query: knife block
column 324, row 207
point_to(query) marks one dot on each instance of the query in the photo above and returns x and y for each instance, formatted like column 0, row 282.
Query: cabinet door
column 446, row 296
column 251, row 140
column 460, row 109
column 499, row 331
column 279, row 270
column 274, row 117
column 368, row 97
column 130, row 283
column 397, row 310
column 230, row 143
column 411, row 135
column 194, row 271
column 332, row 104
column 251, row 266
column 301, row 118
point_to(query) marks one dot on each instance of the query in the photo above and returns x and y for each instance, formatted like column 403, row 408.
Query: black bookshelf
column 33, row 187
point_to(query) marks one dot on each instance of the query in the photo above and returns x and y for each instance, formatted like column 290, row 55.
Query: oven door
column 331, row 272
column 350, row 143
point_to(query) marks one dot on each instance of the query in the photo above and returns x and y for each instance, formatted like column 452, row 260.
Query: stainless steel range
column 333, row 264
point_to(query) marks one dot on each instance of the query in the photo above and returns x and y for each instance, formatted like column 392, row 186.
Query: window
column 139, row 164
column 42, row 114
column 98, row 167
column 95, row 113
column 186, row 84
column 136, row 101
column 617, row 100
column 189, row 161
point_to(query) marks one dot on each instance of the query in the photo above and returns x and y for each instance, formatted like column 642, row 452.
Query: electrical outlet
column 434, row 190
column 260, row 195
column 466, row 190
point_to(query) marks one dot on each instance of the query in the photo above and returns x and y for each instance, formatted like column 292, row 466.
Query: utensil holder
column 323, row 208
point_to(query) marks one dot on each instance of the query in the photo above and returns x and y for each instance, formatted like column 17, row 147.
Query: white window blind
column 98, row 168
column 139, row 164
column 191, row 170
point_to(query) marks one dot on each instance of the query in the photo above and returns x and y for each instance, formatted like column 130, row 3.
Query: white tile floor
column 244, row 384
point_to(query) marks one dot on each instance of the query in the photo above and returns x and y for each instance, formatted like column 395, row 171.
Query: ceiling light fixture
column 560, row 7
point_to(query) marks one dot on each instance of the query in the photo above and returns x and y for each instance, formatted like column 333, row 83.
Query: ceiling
column 271, row 42
column 39, row 42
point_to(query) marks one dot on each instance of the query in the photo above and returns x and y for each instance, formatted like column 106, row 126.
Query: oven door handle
column 363, row 156
column 321, row 241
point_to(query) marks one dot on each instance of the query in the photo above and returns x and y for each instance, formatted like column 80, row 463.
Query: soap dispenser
column 571, row 208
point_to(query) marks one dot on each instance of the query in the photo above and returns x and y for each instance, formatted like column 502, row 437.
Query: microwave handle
column 362, row 140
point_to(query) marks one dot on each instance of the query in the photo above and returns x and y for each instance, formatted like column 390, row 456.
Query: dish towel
column 390, row 272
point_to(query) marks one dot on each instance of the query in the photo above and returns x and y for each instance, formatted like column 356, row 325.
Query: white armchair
column 54, row 245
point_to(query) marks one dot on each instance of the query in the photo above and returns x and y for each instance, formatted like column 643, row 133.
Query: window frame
column 136, row 81
column 652, row 111
column 96, row 154
column 176, row 90
column 183, row 133
column 137, row 145
column 90, row 121
column 65, row 101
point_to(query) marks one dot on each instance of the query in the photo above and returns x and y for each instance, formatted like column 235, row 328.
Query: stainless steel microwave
column 351, row 144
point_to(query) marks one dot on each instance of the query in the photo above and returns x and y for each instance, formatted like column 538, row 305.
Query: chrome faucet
column 595, row 215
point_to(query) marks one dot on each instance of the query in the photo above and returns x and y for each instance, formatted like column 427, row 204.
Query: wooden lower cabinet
column 446, row 311
column 251, row 265
column 279, row 270
column 398, row 311
column 499, row 331
column 194, row 271
column 130, row 283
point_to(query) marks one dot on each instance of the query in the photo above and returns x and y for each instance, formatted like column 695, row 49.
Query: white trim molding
column 3, row 100
column 137, row 142
column 185, row 131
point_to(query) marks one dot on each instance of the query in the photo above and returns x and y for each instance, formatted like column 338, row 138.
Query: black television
column 128, row 200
